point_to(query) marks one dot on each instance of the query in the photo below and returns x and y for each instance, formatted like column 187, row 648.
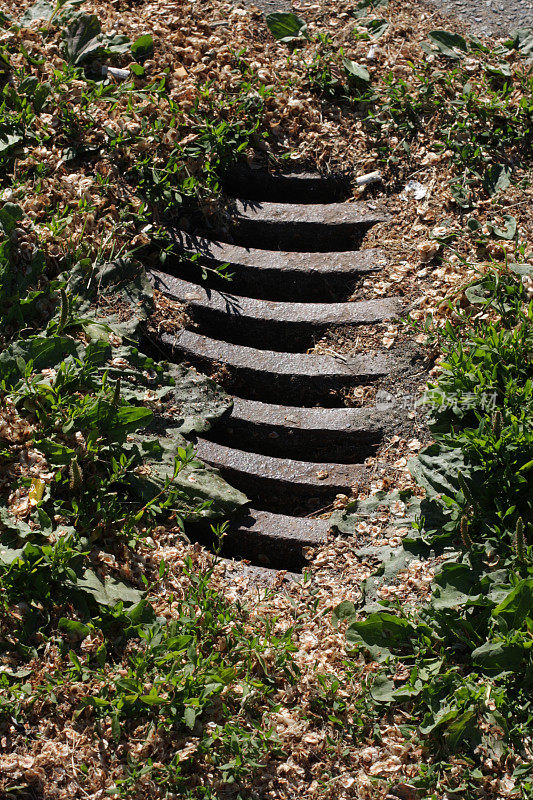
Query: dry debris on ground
column 91, row 205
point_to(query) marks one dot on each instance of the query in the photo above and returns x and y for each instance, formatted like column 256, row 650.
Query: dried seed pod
column 76, row 476
column 427, row 251
column 519, row 540
column 116, row 394
column 497, row 424
column 63, row 311
column 465, row 536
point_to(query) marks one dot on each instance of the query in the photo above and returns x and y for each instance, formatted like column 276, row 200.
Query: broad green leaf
column 344, row 610
column 496, row 178
column 517, row 606
column 384, row 690
column 363, row 7
column 108, row 592
column 123, row 279
column 101, row 655
column 115, row 727
column 74, row 626
column 197, row 401
column 9, row 554
column 142, row 612
column 359, row 74
column 118, row 44
column 522, row 40
column 448, row 43
column 56, row 452
column 8, row 141
column 82, row 39
column 42, row 93
column 142, row 48
column 189, row 717
column 436, row 468
column 460, row 728
column 377, row 27
column 454, row 586
column 131, row 418
column 42, row 9
column 499, row 656
column 380, row 632
column 435, row 719
column 196, row 483
column 286, row 27
column 503, row 70
column 509, row 232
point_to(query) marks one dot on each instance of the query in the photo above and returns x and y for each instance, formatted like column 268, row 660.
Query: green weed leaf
column 451, row 45
column 142, row 48
column 497, row 178
column 42, row 9
column 517, row 606
column 509, row 232
column 359, row 75
column 82, row 39
column 377, row 27
column 363, row 7
column 286, row 27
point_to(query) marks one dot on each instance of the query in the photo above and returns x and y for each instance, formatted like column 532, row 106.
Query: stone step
column 273, row 274
column 345, row 435
column 291, row 226
column 278, row 376
column 274, row 540
column 269, row 320
column 266, row 474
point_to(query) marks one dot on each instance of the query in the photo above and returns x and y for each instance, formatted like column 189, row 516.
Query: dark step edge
column 297, row 186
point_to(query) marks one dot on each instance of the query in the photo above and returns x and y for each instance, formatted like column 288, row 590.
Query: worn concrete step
column 291, row 226
column 247, row 317
column 266, row 374
column 276, row 274
column 286, row 187
column 274, row 540
column 264, row 474
column 345, row 435
column 243, row 574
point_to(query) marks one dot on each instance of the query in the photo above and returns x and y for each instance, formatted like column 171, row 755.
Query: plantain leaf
column 42, row 9
column 377, row 27
column 359, row 75
column 451, row 45
column 82, row 39
column 142, row 48
column 497, row 178
column 286, row 27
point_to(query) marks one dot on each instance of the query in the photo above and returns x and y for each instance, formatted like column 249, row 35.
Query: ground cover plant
column 461, row 663
column 130, row 663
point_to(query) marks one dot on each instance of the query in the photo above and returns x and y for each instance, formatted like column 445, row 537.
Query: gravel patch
column 482, row 17
column 488, row 17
